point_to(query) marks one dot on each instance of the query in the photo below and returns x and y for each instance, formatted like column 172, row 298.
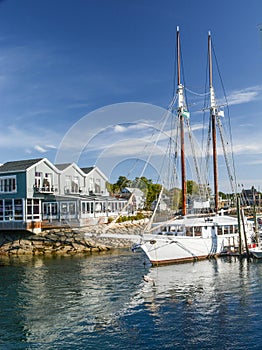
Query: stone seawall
column 70, row 241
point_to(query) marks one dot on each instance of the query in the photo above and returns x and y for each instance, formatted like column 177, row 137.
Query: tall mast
column 181, row 105
column 213, row 112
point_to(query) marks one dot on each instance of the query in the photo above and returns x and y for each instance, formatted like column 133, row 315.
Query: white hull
column 172, row 248
column 166, row 250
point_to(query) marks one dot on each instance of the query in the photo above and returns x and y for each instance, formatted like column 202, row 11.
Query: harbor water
column 116, row 300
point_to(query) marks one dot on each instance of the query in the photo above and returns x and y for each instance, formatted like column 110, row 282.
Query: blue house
column 36, row 194
column 24, row 185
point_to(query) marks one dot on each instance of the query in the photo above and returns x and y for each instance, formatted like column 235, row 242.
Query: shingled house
column 36, row 194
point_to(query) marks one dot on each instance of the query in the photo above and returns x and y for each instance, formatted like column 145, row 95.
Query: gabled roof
column 19, row 165
column 134, row 190
column 88, row 169
column 62, row 166
column 25, row 165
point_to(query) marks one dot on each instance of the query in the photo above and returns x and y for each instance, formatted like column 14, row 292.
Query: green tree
column 192, row 187
column 121, row 183
column 152, row 194
column 222, row 195
column 150, row 189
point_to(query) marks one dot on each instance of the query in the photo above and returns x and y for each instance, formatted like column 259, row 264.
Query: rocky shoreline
column 90, row 239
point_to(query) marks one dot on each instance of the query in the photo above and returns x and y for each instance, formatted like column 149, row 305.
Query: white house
column 136, row 196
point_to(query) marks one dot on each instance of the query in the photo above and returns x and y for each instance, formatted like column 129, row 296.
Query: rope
column 229, row 119
column 225, row 155
column 197, row 94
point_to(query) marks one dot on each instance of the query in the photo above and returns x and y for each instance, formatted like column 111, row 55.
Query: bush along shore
column 97, row 238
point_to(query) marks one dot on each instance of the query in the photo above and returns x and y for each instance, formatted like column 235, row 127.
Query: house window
column 50, row 210
column 87, row 207
column 47, row 182
column 91, row 185
column 84, row 207
column 1, row 210
column 98, row 186
column 68, row 210
column 8, row 209
column 38, row 179
column 8, row 184
column 67, row 183
column 75, row 184
column 72, row 208
column 11, row 209
column 33, row 209
column 18, row 209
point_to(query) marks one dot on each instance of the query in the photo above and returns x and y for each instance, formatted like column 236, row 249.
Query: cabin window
column 197, row 231
column 220, row 230
column 8, row 184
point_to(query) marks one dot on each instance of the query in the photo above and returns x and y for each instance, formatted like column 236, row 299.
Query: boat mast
column 181, row 105
column 213, row 112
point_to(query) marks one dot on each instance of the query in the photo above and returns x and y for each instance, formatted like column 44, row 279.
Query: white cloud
column 119, row 128
column 51, row 146
column 27, row 140
column 245, row 95
column 248, row 147
column 40, row 149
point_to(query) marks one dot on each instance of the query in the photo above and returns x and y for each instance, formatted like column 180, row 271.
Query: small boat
column 256, row 252
column 208, row 232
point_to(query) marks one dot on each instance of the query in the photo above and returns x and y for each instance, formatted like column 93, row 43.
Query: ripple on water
column 102, row 302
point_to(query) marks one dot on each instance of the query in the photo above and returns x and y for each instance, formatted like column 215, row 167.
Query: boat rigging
column 202, row 234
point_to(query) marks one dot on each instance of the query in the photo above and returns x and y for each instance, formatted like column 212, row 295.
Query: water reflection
column 102, row 299
column 57, row 297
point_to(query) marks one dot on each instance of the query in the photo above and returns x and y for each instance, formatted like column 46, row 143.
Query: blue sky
column 76, row 74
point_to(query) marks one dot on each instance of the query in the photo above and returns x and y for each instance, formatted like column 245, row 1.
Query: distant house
column 250, row 197
column 136, row 196
column 36, row 194
column 162, row 205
